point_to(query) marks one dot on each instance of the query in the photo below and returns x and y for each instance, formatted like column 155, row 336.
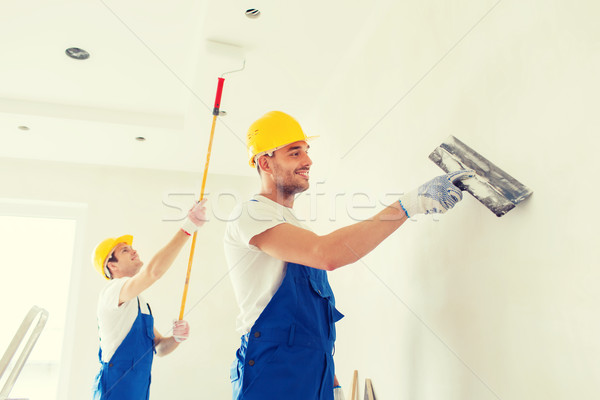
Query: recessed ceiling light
column 77, row 53
column 23, row 128
column 252, row 13
column 140, row 139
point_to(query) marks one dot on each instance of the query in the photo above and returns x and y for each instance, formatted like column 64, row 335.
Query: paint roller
column 493, row 187
column 222, row 48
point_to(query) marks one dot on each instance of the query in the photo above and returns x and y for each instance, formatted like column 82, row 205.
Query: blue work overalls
column 127, row 375
column 288, row 353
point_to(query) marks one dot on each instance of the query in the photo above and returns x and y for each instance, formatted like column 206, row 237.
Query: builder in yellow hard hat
column 278, row 267
column 128, row 338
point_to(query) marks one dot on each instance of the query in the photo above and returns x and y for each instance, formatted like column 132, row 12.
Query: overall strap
column 147, row 305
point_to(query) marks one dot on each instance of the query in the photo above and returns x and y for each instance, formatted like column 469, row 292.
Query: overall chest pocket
column 322, row 289
column 149, row 326
column 331, row 314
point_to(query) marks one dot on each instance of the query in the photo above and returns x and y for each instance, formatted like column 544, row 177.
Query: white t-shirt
column 255, row 275
column 114, row 322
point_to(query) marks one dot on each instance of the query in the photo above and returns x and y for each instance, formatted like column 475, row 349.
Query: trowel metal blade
column 493, row 187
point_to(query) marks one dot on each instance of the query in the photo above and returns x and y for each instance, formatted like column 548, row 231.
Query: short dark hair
column 111, row 258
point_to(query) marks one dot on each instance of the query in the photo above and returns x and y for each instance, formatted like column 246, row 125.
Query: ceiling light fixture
column 23, row 128
column 77, row 53
column 140, row 139
column 252, row 13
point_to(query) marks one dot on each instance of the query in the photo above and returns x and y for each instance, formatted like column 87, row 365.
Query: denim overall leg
column 127, row 375
column 288, row 353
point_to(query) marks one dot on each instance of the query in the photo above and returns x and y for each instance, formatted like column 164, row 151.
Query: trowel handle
column 460, row 185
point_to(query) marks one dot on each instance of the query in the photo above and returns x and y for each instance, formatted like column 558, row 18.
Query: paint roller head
column 227, row 56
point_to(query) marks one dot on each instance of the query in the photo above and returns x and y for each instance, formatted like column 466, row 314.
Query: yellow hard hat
column 104, row 249
column 273, row 130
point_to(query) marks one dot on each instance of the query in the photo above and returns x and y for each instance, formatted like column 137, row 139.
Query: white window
column 37, row 247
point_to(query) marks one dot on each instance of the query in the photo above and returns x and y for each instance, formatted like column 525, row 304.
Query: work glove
column 181, row 330
column 195, row 219
column 436, row 196
column 338, row 394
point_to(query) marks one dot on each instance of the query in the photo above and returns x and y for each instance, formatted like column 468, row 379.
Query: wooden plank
column 354, row 386
column 369, row 393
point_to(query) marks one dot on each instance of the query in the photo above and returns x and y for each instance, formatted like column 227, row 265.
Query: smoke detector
column 77, row 53
column 252, row 13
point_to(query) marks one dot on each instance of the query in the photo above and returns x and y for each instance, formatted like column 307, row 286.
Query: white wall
column 472, row 306
column 119, row 201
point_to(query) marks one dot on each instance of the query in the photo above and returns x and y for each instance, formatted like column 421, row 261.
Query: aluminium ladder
column 31, row 316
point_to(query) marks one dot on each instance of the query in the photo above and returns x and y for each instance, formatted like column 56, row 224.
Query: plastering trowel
column 493, row 187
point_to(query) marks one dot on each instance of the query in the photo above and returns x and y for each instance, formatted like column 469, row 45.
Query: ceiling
column 152, row 73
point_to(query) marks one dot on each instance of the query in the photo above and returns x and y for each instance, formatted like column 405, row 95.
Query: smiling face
column 285, row 173
column 291, row 166
column 124, row 261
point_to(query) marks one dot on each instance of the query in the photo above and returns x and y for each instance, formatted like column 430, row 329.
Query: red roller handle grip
column 218, row 96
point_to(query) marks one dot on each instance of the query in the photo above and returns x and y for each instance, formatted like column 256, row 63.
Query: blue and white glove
column 436, row 196
column 338, row 394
